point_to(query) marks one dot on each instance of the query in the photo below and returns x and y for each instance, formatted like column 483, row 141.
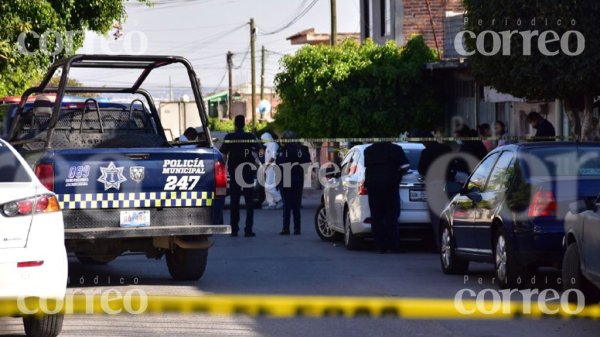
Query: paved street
column 271, row 264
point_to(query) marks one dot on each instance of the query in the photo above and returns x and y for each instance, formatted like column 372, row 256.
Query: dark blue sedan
column 511, row 210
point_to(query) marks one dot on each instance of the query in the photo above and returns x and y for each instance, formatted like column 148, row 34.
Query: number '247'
column 185, row 183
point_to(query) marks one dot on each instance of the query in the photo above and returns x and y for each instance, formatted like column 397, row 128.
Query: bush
column 226, row 125
column 353, row 90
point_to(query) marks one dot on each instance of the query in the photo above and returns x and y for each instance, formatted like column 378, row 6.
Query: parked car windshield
column 564, row 161
column 11, row 169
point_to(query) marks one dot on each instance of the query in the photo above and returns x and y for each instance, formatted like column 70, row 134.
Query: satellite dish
column 264, row 107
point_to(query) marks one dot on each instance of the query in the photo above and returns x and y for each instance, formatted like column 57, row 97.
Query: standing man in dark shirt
column 236, row 155
column 474, row 148
column 385, row 163
column 432, row 152
column 544, row 129
column 291, row 158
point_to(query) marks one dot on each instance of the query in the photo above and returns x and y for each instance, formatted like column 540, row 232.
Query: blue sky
column 204, row 30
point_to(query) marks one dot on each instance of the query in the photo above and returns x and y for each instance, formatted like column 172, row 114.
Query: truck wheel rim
column 322, row 224
column 501, row 258
column 446, row 247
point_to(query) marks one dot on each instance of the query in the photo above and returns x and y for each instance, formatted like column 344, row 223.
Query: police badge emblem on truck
column 136, row 173
column 112, row 176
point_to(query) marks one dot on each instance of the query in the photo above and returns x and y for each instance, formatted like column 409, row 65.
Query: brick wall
column 416, row 19
column 454, row 5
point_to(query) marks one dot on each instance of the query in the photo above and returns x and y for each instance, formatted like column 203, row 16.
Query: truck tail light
column 45, row 173
column 543, row 204
column 35, row 205
column 362, row 190
column 220, row 179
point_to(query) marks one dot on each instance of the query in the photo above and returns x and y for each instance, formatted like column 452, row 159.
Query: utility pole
column 230, row 71
column 333, row 23
column 253, row 67
column 262, row 72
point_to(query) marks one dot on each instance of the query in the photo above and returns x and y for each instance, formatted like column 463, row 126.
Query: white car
column 33, row 258
column 345, row 209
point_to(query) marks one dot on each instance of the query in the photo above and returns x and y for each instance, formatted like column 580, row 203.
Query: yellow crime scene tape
column 298, row 306
column 398, row 140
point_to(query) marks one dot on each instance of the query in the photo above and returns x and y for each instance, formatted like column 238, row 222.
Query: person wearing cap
column 385, row 164
column 272, row 195
column 236, row 154
column 544, row 129
column 291, row 160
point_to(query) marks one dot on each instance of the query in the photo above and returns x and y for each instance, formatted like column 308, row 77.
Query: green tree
column 355, row 90
column 573, row 78
column 19, row 70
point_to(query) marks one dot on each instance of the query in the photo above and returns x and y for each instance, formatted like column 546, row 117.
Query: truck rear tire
column 187, row 264
column 44, row 326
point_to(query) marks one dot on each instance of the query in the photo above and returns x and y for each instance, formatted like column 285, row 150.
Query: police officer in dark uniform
column 291, row 159
column 238, row 154
column 385, row 164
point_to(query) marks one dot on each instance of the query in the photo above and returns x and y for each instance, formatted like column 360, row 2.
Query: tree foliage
column 353, row 90
column 537, row 76
column 217, row 124
column 19, row 70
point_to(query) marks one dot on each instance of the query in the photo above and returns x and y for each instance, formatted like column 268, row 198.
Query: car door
column 591, row 244
column 16, row 186
column 351, row 181
column 465, row 233
column 335, row 195
column 492, row 196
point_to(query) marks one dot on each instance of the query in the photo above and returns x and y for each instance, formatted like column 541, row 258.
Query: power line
column 214, row 56
column 293, row 21
column 160, row 5
column 243, row 59
column 221, row 81
column 208, row 39
column 184, row 29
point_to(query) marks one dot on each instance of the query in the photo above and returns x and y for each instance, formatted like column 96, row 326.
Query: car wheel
column 94, row 260
column 44, row 326
column 574, row 279
column 324, row 231
column 350, row 240
column 509, row 273
column 187, row 264
column 451, row 264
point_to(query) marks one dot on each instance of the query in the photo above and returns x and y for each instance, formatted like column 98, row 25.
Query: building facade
column 464, row 99
column 397, row 20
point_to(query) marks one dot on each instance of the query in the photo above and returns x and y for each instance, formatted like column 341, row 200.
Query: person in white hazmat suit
column 272, row 195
